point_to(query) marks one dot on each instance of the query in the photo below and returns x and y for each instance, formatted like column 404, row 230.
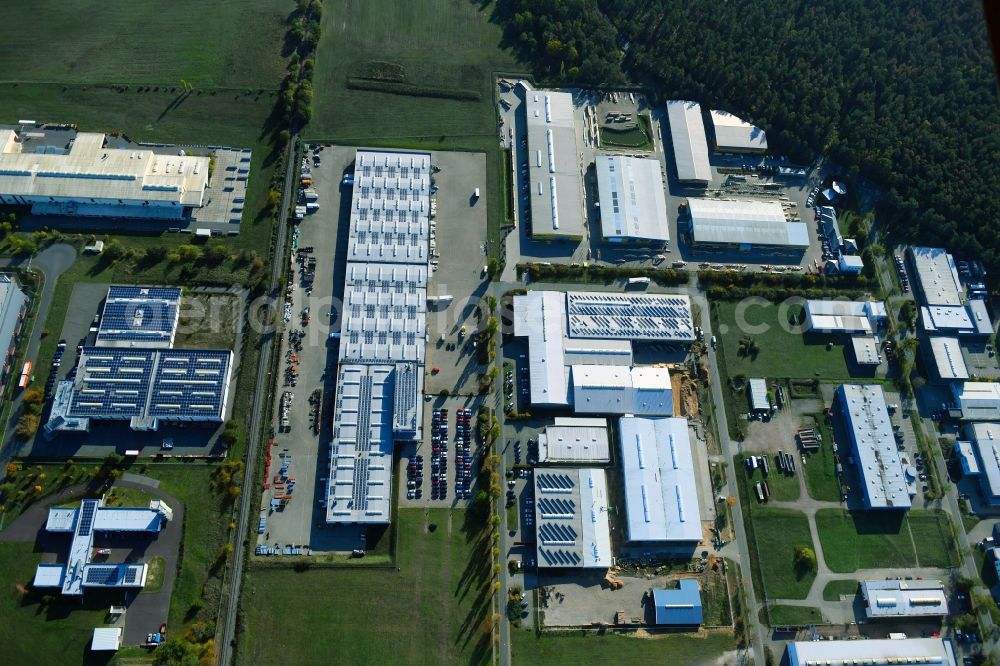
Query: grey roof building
column 903, row 598
column 633, row 203
column 687, row 133
column 13, row 305
column 555, row 176
column 872, row 652
column 885, row 483
column 571, row 514
column 383, row 332
column 733, row 134
column 745, row 224
column 936, row 276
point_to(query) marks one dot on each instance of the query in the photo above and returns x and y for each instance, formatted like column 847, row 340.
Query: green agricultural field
column 443, row 46
column 778, row 532
column 578, row 647
column 781, row 352
column 430, row 611
column 220, row 43
column 835, row 588
column 866, row 540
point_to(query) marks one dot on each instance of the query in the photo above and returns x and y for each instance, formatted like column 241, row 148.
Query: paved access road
column 53, row 261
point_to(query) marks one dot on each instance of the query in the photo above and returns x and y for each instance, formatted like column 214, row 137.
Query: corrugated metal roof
column 745, row 223
column 571, row 518
column 904, row 598
column 633, row 204
column 661, row 498
column 876, row 652
column 985, row 438
column 736, row 134
column 681, row 606
column 555, row 179
column 687, row 133
column 937, row 276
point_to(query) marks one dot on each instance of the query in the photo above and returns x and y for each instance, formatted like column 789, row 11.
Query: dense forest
column 904, row 93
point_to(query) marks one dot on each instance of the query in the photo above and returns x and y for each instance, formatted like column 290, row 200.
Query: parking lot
column 442, row 469
column 307, row 383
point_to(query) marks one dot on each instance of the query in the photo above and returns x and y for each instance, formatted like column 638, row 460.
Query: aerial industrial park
column 603, row 375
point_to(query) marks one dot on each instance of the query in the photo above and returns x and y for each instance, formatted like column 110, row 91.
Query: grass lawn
column 37, row 633
column 715, row 598
column 578, row 647
column 777, row 532
column 781, row 353
column 222, row 43
column 122, row 496
column 429, row 612
column 447, row 44
column 784, row 488
column 637, row 137
column 208, row 321
column 154, row 577
column 866, row 540
column 835, row 588
column 933, row 536
column 782, row 615
column 821, row 467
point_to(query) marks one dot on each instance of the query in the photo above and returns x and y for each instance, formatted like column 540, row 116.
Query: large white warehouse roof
column 555, row 179
column 633, row 203
column 735, row 134
column 872, row 652
column 687, row 133
column 751, row 223
column 661, row 498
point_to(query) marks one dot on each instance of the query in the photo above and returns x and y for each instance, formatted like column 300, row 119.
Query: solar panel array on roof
column 139, row 316
column 151, row 384
column 383, row 331
column 630, row 316
column 572, row 515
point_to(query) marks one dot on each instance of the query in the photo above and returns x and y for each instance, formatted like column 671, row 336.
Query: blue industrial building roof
column 681, row 606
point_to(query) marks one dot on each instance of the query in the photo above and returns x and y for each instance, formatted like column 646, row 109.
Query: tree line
column 903, row 94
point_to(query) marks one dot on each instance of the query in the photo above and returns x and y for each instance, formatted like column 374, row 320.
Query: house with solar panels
column 92, row 518
column 133, row 373
column 571, row 518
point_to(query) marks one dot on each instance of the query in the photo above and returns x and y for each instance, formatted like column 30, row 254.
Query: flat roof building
column 970, row 319
column 383, row 332
column 600, row 389
column 139, row 317
column 571, row 518
column 757, row 388
column 593, row 329
column 661, row 498
column 598, row 314
column 13, row 306
column 555, row 176
column 903, row 598
column 78, row 573
column 106, row 639
column 978, row 401
column 838, row 316
column 144, row 386
column 872, row 652
column 945, row 359
column 680, row 606
column 979, row 451
column 885, row 484
column 936, row 276
column 687, row 134
column 745, row 224
column 633, row 203
column 865, row 350
column 736, row 135
column 574, row 440
column 92, row 180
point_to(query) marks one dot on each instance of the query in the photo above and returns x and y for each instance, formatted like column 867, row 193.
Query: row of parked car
column 463, row 453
